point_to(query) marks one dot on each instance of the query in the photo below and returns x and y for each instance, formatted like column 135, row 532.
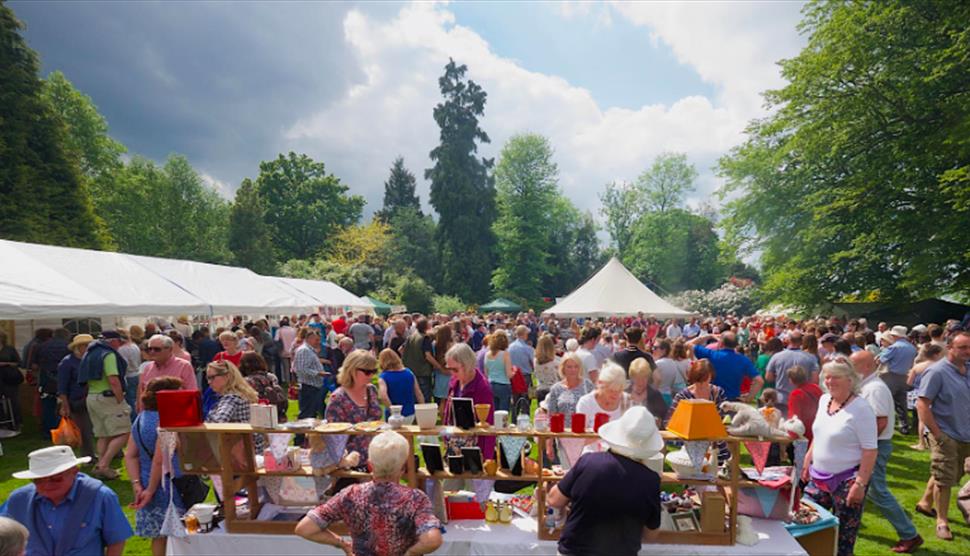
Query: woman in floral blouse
column 356, row 401
column 384, row 516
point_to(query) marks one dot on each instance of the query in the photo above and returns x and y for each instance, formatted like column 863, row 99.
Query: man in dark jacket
column 72, row 395
column 49, row 355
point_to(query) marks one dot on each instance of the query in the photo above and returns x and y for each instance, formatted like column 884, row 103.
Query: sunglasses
column 368, row 372
column 213, row 376
column 152, row 349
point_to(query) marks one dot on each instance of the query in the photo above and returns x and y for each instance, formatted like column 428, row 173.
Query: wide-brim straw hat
column 633, row 435
column 48, row 462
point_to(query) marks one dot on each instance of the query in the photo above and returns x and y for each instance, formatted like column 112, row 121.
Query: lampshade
column 696, row 420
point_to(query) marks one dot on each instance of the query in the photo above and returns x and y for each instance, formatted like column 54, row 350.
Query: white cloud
column 390, row 112
column 224, row 189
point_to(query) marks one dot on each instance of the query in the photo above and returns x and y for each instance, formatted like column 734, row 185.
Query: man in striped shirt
column 310, row 374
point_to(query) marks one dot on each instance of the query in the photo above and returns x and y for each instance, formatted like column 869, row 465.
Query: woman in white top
column 843, row 452
column 546, row 368
column 610, row 397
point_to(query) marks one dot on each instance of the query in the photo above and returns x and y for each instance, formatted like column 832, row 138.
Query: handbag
column 191, row 488
column 519, row 386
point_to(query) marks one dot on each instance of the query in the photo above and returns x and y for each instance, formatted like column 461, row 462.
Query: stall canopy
column 43, row 281
column 380, row 307
column 501, row 304
column 334, row 295
column 614, row 292
column 39, row 281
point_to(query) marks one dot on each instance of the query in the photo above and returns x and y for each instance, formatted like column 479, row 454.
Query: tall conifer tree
column 399, row 191
column 462, row 191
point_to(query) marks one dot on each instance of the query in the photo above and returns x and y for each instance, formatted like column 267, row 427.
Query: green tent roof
column 501, row 304
column 379, row 306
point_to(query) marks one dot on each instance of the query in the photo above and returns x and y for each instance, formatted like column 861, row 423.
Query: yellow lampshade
column 696, row 420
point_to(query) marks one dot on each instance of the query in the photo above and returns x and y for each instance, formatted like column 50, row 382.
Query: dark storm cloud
column 216, row 81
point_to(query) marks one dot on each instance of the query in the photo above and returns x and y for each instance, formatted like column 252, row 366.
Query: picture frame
column 685, row 522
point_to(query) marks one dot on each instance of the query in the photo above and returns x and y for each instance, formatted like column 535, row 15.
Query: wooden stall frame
column 233, row 480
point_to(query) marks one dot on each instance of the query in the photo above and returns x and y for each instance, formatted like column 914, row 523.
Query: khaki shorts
column 947, row 460
column 108, row 417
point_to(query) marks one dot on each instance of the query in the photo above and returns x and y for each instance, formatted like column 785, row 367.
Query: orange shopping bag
column 67, row 433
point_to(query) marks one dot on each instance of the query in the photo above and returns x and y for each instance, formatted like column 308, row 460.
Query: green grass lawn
column 908, row 471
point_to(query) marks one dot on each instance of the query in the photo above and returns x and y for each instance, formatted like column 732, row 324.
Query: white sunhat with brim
column 633, row 435
column 47, row 462
column 897, row 331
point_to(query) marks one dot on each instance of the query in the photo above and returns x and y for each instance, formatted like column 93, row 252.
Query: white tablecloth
column 473, row 537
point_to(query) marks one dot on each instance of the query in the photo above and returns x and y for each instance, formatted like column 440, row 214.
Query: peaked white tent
column 614, row 292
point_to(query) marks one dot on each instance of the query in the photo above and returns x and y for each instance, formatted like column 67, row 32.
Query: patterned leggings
column 850, row 518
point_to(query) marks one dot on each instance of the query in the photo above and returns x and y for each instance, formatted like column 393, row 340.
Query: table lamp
column 696, row 420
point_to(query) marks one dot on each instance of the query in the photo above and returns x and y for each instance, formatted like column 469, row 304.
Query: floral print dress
column 341, row 408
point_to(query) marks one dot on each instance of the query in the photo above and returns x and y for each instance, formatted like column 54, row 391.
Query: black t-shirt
column 626, row 356
column 612, row 499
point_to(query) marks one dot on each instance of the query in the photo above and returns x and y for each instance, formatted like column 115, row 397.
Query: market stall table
column 474, row 537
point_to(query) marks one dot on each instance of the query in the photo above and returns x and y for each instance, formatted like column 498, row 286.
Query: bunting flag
column 801, row 448
column 572, row 448
column 697, row 452
column 767, row 498
column 759, row 453
column 512, row 448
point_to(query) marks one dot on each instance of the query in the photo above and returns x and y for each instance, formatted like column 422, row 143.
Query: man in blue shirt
column 944, row 395
column 781, row 362
column 692, row 330
column 730, row 367
column 522, row 354
column 67, row 512
column 898, row 359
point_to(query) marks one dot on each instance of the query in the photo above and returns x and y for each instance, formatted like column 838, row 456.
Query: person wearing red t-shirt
column 230, row 345
column 339, row 324
column 803, row 401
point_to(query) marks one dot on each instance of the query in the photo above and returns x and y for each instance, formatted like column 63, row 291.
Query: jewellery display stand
column 225, row 450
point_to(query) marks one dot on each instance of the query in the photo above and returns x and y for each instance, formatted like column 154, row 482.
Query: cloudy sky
column 354, row 84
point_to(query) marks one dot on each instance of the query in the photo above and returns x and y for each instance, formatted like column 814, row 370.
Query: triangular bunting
column 759, row 453
column 512, row 447
column 572, row 448
column 697, row 452
column 767, row 498
column 801, row 448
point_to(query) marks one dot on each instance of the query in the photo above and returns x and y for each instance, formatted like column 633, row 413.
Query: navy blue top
column 612, row 499
column 400, row 388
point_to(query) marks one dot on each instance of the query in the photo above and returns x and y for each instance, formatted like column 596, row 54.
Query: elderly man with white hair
column 384, row 517
column 160, row 351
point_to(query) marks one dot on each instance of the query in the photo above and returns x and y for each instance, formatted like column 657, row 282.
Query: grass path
column 908, row 471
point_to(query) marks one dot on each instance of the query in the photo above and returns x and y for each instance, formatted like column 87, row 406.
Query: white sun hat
column 47, row 462
column 633, row 435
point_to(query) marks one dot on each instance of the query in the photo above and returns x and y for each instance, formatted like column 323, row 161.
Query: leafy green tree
column 675, row 250
column 399, row 191
column 448, row 304
column 666, row 182
column 573, row 247
column 526, row 183
column 129, row 206
column 414, row 293
column 87, row 136
column 43, row 197
column 461, row 189
column 305, row 206
column 857, row 184
column 412, row 235
column 622, row 207
column 250, row 239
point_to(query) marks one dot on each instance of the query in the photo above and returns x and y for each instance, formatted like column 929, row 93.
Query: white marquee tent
column 43, row 281
column 613, row 292
column 334, row 294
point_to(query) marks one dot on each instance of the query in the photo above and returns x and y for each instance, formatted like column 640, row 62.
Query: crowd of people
column 850, row 385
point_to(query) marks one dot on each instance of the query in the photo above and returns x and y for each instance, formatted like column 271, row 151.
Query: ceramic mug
column 579, row 423
column 501, row 418
column 600, row 420
column 557, row 422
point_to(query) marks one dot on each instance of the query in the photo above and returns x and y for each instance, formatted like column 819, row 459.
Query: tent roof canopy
column 44, row 281
column 614, row 292
column 501, row 304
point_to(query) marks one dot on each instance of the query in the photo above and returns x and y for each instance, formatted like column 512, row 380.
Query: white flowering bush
column 725, row 300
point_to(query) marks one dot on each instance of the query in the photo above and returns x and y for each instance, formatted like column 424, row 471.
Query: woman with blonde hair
column 235, row 396
column 397, row 385
column 565, row 394
column 642, row 391
column 498, row 370
column 546, row 366
column 356, row 400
